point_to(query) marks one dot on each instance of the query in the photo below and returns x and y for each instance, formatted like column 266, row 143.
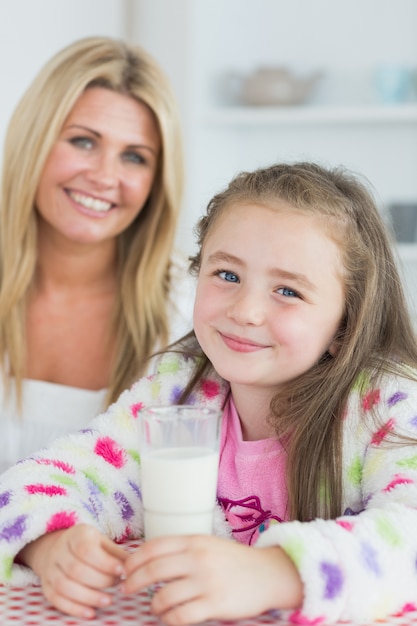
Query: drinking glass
column 179, row 452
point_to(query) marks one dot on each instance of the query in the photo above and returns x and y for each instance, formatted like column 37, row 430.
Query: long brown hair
column 376, row 334
column 144, row 249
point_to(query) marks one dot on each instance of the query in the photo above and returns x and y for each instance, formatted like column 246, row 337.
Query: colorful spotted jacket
column 358, row 567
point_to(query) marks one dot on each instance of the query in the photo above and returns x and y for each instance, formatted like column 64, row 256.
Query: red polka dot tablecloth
column 26, row 606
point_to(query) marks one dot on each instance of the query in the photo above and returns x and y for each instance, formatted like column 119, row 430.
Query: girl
column 302, row 335
column 89, row 204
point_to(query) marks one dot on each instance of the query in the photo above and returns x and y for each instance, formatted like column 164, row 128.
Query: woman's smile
column 100, row 171
column 89, row 202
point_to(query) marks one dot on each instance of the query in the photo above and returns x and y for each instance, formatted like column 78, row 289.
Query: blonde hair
column 140, row 317
column 375, row 336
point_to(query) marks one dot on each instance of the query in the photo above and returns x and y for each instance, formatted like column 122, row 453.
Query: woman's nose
column 248, row 307
column 103, row 170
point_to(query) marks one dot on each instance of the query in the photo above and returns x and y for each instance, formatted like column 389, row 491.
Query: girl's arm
column 207, row 577
column 74, row 565
column 91, row 477
column 362, row 566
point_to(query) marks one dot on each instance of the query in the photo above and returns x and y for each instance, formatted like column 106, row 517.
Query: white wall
column 32, row 30
column 198, row 41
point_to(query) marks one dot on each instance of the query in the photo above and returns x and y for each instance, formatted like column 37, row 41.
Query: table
column 26, row 606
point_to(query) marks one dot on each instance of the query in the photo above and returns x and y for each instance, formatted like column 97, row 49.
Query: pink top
column 252, row 474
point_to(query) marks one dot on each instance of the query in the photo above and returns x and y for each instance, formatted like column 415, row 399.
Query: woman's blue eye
column 229, row 277
column 286, row 291
column 133, row 157
column 82, row 142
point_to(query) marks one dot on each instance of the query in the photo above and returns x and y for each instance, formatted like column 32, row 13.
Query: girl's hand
column 211, row 578
column 73, row 566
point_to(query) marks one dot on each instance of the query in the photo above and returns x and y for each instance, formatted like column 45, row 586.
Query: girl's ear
column 336, row 344
column 334, row 347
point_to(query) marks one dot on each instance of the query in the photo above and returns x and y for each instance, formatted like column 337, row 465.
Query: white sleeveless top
column 50, row 410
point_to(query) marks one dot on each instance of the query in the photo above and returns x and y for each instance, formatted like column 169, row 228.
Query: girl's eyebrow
column 276, row 272
column 299, row 278
column 132, row 146
column 218, row 257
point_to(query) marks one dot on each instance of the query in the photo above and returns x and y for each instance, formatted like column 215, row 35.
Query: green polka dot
column 409, row 463
column 295, row 550
column 134, row 455
column 6, row 567
column 355, row 471
column 388, row 532
column 91, row 475
column 125, row 419
column 64, row 480
column 361, row 384
column 170, row 366
column 155, row 388
column 324, row 496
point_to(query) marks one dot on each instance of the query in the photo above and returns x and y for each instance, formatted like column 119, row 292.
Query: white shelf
column 317, row 114
column 407, row 251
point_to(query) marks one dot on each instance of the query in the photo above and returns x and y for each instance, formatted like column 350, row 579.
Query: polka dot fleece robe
column 358, row 567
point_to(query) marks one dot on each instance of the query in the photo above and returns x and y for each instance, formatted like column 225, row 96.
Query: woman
column 91, row 190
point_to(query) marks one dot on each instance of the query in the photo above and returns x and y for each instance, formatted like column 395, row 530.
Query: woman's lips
column 238, row 344
column 89, row 204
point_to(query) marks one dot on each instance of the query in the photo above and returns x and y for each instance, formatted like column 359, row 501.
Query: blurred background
column 259, row 81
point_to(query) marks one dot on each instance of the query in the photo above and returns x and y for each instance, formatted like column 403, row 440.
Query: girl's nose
column 248, row 307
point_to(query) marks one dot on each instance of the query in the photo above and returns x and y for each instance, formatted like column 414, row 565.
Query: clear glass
column 179, row 463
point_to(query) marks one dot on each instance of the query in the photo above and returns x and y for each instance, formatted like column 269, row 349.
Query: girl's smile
column 241, row 345
column 270, row 295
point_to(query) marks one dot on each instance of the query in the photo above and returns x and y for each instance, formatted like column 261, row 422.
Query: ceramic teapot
column 269, row 86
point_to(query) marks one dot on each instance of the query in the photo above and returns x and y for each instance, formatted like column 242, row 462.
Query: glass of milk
column 179, row 452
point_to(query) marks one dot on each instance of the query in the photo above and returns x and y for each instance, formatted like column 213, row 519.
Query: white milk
column 179, row 490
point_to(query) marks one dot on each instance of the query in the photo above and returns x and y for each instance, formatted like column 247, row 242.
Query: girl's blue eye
column 82, row 142
column 289, row 293
column 229, row 276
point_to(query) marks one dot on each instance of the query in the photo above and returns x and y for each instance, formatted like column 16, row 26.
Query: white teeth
column 90, row 203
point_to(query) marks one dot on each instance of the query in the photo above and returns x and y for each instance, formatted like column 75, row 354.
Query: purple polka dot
column 124, row 505
column 333, row 580
column 370, row 558
column 175, row 394
column 350, row 511
column 136, row 489
column 4, row 498
column 91, row 510
column 15, row 530
column 397, row 397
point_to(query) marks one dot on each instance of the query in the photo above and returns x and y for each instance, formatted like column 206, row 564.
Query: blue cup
column 392, row 83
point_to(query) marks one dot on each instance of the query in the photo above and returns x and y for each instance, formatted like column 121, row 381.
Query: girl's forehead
column 252, row 209
column 233, row 212
column 250, row 225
